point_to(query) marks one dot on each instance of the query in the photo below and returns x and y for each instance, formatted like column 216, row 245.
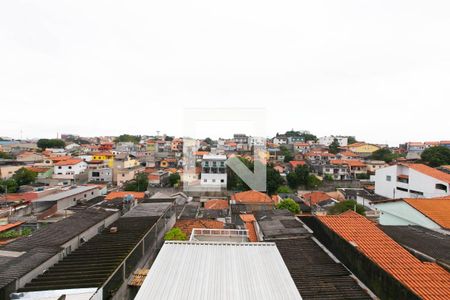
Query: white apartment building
column 327, row 140
column 214, row 170
column 411, row 181
column 69, row 168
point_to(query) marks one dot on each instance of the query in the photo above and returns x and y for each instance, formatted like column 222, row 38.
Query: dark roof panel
column 315, row 274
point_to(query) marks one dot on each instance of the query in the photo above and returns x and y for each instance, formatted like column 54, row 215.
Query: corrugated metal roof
column 208, row 270
column 65, row 194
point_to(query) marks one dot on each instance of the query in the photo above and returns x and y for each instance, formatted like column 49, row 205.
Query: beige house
column 8, row 171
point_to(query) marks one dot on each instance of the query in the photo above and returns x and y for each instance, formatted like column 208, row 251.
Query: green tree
column 24, row 176
column 8, row 185
column 287, row 154
column 284, row 189
column 174, row 178
column 334, row 146
column 273, row 179
column 5, row 155
column 312, row 182
column 298, row 177
column 290, row 205
column 383, row 154
column 436, row 156
column 328, row 177
column 175, row 234
column 50, row 143
column 15, row 233
column 139, row 184
column 347, row 205
column 208, row 141
column 309, row 137
column 128, row 138
column 351, row 140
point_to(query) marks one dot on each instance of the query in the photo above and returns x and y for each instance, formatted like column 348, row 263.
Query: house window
column 70, row 167
column 388, row 178
column 416, row 192
column 402, row 189
column 440, row 186
column 222, row 180
column 204, row 180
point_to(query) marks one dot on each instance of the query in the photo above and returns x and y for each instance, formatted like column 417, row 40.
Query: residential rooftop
column 316, row 275
column 279, row 224
column 67, row 193
column 45, row 243
column 424, row 241
column 426, row 280
column 211, row 270
column 94, row 262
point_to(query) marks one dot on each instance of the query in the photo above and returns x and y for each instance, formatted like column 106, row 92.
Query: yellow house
column 104, row 156
column 151, row 146
column 363, row 148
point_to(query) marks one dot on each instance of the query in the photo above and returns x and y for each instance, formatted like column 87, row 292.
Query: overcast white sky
column 379, row 70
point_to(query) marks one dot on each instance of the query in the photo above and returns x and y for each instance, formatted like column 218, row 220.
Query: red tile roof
column 216, row 204
column 427, row 280
column 56, row 159
column 38, row 169
column 295, row 163
column 187, row 225
column 348, row 154
column 249, row 220
column 436, row 209
column 251, row 197
column 10, row 226
column 28, row 196
column 115, row 195
column 69, row 162
column 432, row 172
column 314, row 198
column 350, row 163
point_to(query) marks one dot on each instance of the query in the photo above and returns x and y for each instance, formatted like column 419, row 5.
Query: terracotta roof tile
column 115, row 195
column 187, row 225
column 350, row 163
column 437, row 209
column 10, row 226
column 432, row 172
column 38, row 169
column 296, row 163
column 427, row 280
column 314, row 198
column 216, row 204
column 249, row 221
column 251, row 197
column 69, row 162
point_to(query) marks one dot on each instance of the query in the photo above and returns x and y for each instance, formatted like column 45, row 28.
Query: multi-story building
column 214, row 171
column 327, row 140
column 99, row 171
column 411, row 181
column 67, row 169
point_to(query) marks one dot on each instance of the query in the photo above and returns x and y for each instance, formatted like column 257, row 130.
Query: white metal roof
column 66, row 193
column 211, row 270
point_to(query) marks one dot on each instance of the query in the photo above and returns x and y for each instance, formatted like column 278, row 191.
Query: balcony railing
column 238, row 234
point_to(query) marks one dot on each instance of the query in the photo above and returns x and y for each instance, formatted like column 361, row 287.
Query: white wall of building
column 327, row 140
column 71, row 169
column 418, row 182
column 401, row 213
